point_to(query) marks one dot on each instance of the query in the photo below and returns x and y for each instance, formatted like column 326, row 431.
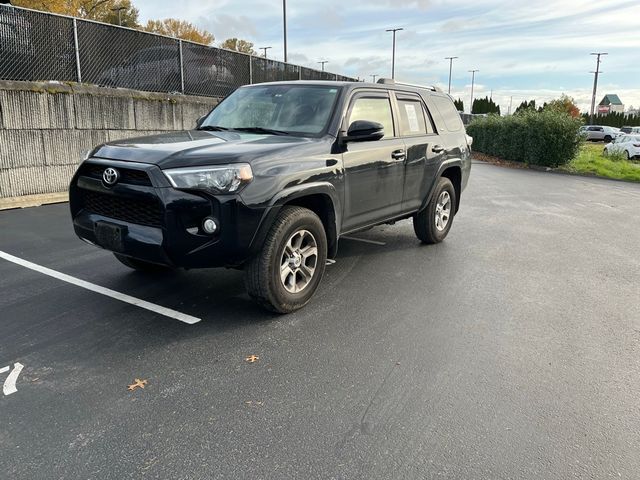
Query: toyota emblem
column 110, row 176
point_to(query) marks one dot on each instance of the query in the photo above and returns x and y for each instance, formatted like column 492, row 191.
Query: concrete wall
column 45, row 128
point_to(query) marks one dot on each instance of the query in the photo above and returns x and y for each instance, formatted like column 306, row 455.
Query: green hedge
column 545, row 138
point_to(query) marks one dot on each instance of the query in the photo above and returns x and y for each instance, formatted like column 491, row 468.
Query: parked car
column 16, row 47
column 625, row 129
column 157, row 69
column 628, row 145
column 598, row 133
column 273, row 177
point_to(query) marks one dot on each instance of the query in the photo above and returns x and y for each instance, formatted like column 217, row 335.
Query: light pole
column 119, row 10
column 322, row 63
column 450, row 67
column 374, row 77
column 393, row 53
column 595, row 84
column 265, row 50
column 284, row 17
column 473, row 78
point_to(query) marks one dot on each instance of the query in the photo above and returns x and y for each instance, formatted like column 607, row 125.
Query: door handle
column 398, row 154
column 437, row 149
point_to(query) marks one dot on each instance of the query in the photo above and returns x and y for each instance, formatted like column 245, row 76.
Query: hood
column 198, row 147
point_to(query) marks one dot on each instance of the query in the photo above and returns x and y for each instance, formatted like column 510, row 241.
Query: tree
column 238, row 45
column 485, row 105
column 563, row 104
column 526, row 106
column 179, row 29
column 99, row 10
column 459, row 105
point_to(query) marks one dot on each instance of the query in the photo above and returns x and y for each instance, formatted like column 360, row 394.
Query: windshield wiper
column 213, row 128
column 261, row 130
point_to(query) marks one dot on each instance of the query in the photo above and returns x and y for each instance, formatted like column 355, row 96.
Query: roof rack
column 391, row 81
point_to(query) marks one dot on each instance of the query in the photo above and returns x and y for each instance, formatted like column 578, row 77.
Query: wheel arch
column 453, row 171
column 321, row 198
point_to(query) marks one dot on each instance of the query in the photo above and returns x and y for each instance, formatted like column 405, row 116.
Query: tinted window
column 301, row 109
column 412, row 121
column 448, row 112
column 374, row 110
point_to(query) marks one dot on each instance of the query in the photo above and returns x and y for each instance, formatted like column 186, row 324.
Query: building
column 611, row 103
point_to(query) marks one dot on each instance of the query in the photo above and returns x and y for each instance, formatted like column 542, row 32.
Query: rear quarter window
column 448, row 112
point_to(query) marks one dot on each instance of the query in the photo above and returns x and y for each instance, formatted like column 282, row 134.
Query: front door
column 374, row 170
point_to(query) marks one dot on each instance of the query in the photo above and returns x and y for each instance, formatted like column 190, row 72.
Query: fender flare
column 295, row 192
column 455, row 162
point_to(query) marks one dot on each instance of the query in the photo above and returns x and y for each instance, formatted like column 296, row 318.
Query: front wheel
column 434, row 222
column 285, row 274
column 608, row 139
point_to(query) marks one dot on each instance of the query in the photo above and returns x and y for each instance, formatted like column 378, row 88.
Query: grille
column 128, row 176
column 138, row 211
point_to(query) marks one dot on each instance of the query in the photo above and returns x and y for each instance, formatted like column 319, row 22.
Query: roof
column 610, row 99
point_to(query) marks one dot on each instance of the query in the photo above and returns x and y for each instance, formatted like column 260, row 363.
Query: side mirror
column 364, row 130
column 200, row 120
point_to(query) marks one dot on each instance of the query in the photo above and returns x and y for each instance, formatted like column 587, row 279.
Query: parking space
column 511, row 350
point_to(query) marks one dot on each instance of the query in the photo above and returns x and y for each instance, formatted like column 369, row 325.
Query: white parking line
column 375, row 242
column 9, row 386
column 167, row 312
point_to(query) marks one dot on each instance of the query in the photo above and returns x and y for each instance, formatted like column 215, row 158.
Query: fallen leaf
column 137, row 383
column 252, row 358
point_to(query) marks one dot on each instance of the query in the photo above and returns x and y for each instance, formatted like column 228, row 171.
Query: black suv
column 272, row 177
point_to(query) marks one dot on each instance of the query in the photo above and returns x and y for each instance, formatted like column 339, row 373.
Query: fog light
column 209, row 225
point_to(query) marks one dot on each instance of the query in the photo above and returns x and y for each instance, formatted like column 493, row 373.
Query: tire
column 284, row 290
column 141, row 265
column 608, row 139
column 424, row 222
column 628, row 154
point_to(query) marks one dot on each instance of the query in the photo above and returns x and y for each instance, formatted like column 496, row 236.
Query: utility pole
column 393, row 52
column 450, row 67
column 374, row 77
column 284, row 17
column 595, row 84
column 322, row 63
column 265, row 50
column 510, row 103
column 473, row 78
column 119, row 10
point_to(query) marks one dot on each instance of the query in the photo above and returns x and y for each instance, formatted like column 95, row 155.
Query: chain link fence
column 41, row 46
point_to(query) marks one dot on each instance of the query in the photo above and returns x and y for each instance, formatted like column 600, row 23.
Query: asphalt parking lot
column 512, row 350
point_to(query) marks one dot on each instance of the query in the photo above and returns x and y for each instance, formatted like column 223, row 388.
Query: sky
column 523, row 49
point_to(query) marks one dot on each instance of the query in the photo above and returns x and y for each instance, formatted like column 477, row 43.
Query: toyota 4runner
column 272, row 178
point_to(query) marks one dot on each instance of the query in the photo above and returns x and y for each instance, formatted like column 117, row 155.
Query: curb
column 27, row 201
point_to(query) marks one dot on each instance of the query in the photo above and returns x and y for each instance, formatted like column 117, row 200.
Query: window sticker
column 412, row 117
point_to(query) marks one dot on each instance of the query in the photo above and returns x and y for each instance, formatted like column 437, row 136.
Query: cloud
column 523, row 49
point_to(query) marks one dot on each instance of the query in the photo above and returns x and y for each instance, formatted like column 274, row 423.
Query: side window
column 374, row 109
column 412, row 121
column 450, row 115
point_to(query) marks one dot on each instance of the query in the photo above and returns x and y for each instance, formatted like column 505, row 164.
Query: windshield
column 292, row 109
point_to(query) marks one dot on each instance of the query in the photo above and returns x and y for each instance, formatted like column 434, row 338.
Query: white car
column 625, row 144
column 597, row 133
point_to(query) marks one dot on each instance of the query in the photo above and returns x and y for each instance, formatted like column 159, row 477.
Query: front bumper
column 157, row 222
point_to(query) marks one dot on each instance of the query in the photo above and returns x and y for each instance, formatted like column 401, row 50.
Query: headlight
column 218, row 179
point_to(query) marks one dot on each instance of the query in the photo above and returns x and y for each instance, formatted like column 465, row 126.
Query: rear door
column 423, row 146
column 374, row 170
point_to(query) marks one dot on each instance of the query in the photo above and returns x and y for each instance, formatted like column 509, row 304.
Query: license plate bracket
column 110, row 235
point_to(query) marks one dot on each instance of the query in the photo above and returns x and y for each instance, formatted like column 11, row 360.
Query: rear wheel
column 608, row 138
column 285, row 274
column 141, row 265
column 628, row 155
column 434, row 222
